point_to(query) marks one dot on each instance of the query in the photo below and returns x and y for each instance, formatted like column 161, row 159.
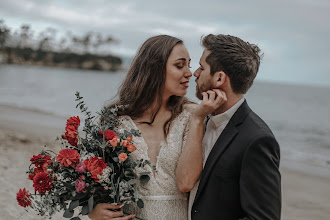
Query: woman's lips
column 185, row 84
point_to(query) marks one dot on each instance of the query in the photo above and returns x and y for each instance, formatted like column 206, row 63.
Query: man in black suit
column 240, row 178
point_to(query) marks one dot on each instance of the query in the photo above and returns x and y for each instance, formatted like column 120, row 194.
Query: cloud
column 292, row 33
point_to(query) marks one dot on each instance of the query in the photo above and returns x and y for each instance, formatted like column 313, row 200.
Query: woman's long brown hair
column 144, row 83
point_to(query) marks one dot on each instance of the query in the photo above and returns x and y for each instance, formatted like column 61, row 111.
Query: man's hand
column 101, row 212
column 212, row 100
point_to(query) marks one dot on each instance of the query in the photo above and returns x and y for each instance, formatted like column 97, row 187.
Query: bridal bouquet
column 88, row 170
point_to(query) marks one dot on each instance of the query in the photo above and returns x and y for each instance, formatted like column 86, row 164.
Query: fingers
column 114, row 214
column 109, row 206
column 213, row 99
column 125, row 217
column 211, row 94
column 221, row 96
column 205, row 96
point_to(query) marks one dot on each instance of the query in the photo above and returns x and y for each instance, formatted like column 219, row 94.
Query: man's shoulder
column 256, row 126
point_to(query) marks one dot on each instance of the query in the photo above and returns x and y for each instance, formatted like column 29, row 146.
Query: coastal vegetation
column 52, row 48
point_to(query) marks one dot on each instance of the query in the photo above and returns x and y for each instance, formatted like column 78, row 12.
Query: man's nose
column 196, row 73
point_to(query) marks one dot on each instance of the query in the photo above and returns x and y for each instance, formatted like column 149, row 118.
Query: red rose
column 72, row 138
column 41, row 161
column 109, row 134
column 95, row 166
column 73, row 121
column 71, row 135
column 122, row 157
column 42, row 183
column 68, row 157
column 23, row 198
column 37, row 170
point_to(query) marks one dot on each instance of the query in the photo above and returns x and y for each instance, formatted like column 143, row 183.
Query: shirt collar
column 222, row 118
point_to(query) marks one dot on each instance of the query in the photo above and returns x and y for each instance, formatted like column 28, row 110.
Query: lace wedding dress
column 161, row 196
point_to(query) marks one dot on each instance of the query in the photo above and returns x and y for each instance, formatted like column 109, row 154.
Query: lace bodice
column 161, row 196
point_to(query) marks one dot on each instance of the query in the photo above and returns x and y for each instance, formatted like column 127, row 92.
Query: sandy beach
column 24, row 132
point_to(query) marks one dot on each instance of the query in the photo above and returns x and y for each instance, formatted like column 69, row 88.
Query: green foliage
column 117, row 182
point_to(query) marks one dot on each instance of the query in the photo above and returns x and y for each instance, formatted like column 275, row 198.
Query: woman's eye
column 179, row 67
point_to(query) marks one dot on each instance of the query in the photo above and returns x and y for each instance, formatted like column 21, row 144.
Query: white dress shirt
column 215, row 125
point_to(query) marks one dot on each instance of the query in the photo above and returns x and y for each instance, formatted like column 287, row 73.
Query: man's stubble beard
column 202, row 88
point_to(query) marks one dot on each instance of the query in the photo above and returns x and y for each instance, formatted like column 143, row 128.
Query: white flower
column 84, row 155
column 104, row 177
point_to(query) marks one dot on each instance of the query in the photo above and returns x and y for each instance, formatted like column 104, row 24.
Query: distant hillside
column 60, row 59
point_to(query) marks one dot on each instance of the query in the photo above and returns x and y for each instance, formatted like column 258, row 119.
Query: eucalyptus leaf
column 73, row 205
column 140, row 203
column 144, row 179
column 132, row 181
column 85, row 210
column 68, row 185
column 90, row 203
column 80, row 196
column 62, row 192
column 68, row 214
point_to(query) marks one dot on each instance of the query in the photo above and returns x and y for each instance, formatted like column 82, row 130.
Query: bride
column 171, row 126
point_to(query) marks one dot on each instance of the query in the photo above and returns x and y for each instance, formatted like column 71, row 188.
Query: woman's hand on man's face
column 212, row 100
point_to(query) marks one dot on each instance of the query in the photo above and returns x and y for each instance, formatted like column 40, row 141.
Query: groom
column 240, row 178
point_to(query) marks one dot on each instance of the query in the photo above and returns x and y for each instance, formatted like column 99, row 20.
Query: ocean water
column 299, row 115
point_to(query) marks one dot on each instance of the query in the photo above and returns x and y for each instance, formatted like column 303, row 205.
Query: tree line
column 51, row 40
column 50, row 47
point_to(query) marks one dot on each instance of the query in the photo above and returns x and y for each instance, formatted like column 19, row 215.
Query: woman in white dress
column 171, row 127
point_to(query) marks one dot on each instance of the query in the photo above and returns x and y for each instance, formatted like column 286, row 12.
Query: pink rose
column 80, row 185
column 131, row 148
column 122, row 157
column 114, row 142
column 81, row 168
column 129, row 138
column 124, row 143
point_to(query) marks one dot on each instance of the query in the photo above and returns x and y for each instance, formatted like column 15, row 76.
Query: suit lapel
column 221, row 144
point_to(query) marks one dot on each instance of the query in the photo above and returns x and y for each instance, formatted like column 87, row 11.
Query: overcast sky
column 293, row 34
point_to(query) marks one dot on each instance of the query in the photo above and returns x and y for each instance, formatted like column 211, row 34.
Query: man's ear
column 219, row 78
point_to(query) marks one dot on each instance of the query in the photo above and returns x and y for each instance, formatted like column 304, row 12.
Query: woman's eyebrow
column 184, row 59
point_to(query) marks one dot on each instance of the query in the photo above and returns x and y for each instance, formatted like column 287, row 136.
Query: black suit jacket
column 241, row 178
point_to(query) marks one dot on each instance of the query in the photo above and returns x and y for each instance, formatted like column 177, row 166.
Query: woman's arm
column 190, row 163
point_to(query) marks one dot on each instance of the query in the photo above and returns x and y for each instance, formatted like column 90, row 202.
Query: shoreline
column 24, row 132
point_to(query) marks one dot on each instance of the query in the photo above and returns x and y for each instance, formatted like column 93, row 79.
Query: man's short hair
column 240, row 60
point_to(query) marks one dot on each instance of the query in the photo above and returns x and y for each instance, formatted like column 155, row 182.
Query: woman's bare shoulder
column 189, row 107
